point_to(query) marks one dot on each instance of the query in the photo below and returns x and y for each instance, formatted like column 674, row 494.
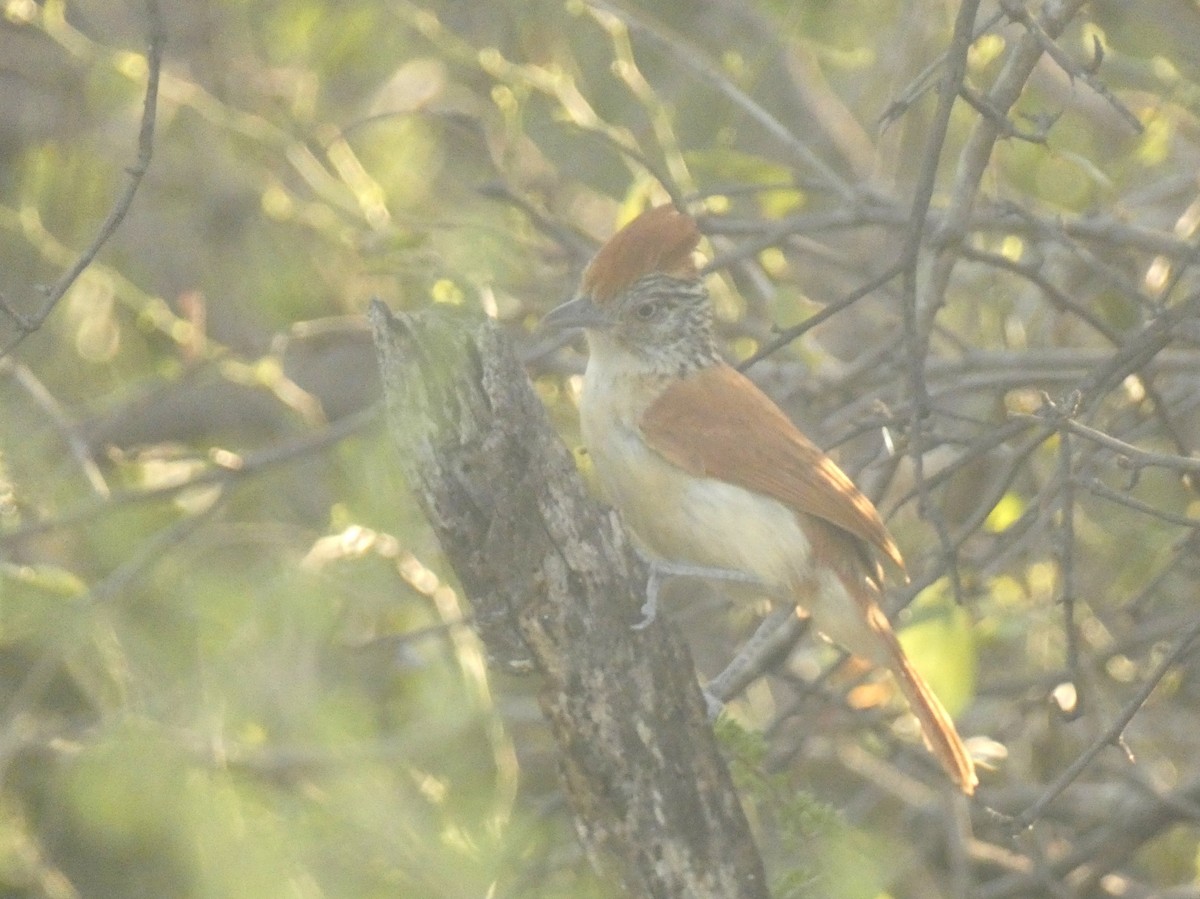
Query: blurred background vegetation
column 232, row 662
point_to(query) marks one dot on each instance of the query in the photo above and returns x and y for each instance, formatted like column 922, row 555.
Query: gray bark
column 555, row 586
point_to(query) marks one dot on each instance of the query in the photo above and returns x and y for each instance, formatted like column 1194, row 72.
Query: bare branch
column 918, row 322
column 64, row 641
column 1018, row 13
column 982, row 105
column 1112, row 733
column 27, row 324
column 775, row 635
column 1057, row 297
column 1136, row 352
column 794, row 332
column 78, row 447
column 1004, row 218
column 1099, row 850
column 924, row 82
column 1130, row 455
column 248, row 465
column 1066, row 566
column 1096, row 486
column 1003, row 94
column 694, row 60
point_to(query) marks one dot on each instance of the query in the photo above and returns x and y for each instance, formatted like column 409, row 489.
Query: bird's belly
column 701, row 521
column 679, row 517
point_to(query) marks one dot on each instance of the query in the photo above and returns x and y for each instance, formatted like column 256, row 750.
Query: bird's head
column 641, row 296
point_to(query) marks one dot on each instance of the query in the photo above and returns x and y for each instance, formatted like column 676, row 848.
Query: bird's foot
column 650, row 606
column 713, row 707
column 661, row 569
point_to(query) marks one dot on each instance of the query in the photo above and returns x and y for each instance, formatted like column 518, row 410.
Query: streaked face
column 664, row 322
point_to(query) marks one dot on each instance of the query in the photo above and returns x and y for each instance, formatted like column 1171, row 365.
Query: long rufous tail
column 854, row 618
column 936, row 725
column 872, row 638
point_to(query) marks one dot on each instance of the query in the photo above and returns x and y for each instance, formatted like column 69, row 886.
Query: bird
column 707, row 472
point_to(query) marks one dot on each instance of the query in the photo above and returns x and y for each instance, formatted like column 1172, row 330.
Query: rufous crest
column 659, row 240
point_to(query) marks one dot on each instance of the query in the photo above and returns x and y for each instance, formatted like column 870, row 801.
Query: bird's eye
column 646, row 310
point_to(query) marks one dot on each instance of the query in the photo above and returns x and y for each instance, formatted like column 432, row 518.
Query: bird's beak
column 580, row 312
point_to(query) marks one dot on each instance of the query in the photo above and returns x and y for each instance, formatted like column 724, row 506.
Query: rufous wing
column 716, row 423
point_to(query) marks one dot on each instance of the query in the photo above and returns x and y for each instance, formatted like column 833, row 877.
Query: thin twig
column 983, row 106
column 250, row 464
column 1057, row 233
column 982, row 446
column 1184, row 550
column 1015, row 11
column 924, row 81
column 1004, row 93
column 1051, row 291
column 916, row 331
column 1066, row 565
column 27, row 324
column 580, row 247
column 1109, row 845
column 1099, row 488
column 776, row 634
column 695, row 60
column 78, row 447
column 1135, row 353
column 40, row 674
column 812, row 321
column 1131, row 456
column 1112, row 734
column 1005, row 218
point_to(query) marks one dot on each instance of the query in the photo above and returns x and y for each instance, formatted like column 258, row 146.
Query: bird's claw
column 713, row 707
column 650, row 606
column 660, row 569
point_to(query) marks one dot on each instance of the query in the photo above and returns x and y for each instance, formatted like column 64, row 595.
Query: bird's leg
column 661, row 569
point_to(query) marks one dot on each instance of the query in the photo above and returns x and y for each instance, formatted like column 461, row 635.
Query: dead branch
column 27, row 324
column 555, row 584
